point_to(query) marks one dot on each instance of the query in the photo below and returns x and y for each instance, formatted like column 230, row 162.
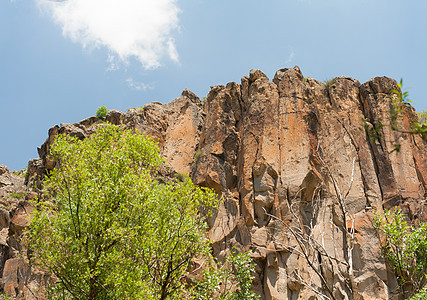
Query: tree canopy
column 110, row 227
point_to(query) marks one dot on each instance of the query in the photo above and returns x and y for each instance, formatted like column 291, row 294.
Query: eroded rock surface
column 274, row 149
column 18, row 279
column 281, row 153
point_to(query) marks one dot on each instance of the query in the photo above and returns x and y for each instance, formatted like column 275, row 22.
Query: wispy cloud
column 139, row 86
column 290, row 57
column 128, row 28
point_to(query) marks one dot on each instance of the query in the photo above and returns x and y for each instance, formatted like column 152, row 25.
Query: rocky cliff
column 299, row 177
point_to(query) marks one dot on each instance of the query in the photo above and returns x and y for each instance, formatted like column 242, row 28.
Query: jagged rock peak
column 277, row 152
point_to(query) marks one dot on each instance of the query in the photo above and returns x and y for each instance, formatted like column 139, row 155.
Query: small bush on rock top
column 101, row 112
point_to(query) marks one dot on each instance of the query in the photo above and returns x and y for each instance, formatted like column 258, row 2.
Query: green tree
column 101, row 112
column 405, row 248
column 108, row 228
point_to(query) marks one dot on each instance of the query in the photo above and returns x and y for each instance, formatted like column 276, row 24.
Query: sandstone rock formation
column 18, row 279
column 287, row 155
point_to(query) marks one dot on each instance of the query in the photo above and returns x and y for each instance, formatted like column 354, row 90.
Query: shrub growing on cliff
column 229, row 281
column 422, row 295
column 422, row 118
column 400, row 102
column 101, row 112
column 405, row 248
column 109, row 229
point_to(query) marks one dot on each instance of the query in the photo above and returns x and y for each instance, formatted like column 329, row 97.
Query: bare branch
column 300, row 240
column 300, row 280
column 308, row 245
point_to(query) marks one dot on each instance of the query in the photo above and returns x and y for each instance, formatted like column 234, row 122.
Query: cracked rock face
column 18, row 280
column 289, row 156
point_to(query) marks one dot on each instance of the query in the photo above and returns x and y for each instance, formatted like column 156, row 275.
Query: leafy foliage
column 405, row 248
column 422, row 117
column 400, row 100
column 17, row 195
column 176, row 237
column 197, row 156
column 229, row 281
column 329, row 83
column 21, row 173
column 422, row 295
column 101, row 112
column 108, row 229
column 4, row 297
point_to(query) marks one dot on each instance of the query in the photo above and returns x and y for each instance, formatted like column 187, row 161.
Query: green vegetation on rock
column 17, row 195
column 101, row 112
column 108, row 229
column 230, row 281
column 405, row 248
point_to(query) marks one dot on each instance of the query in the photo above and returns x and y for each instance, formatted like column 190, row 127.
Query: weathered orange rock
column 282, row 153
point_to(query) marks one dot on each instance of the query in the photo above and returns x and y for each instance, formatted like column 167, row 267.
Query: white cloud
column 290, row 57
column 139, row 86
column 112, row 64
column 128, row 28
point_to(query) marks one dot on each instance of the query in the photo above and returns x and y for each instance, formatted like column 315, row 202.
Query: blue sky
column 60, row 61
